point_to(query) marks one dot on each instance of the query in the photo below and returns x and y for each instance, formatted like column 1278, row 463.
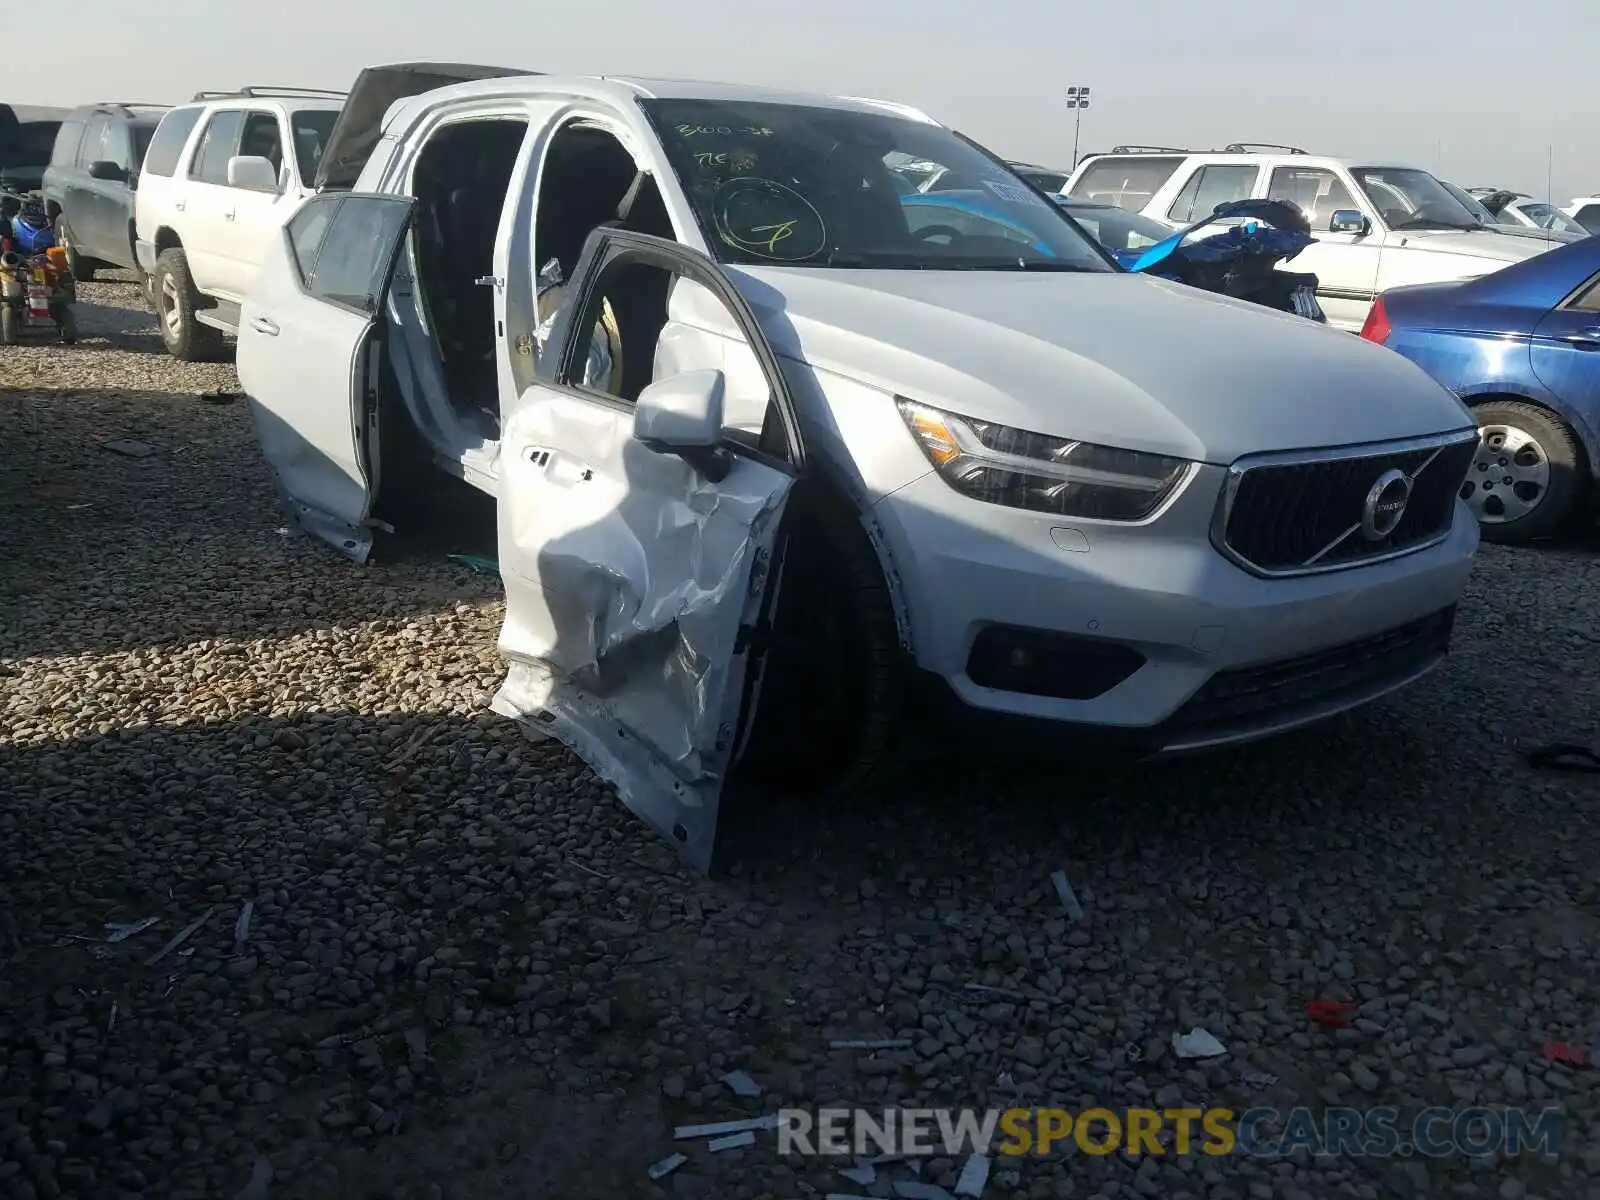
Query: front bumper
column 1223, row 656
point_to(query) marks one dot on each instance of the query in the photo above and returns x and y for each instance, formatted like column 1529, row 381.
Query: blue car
column 1521, row 347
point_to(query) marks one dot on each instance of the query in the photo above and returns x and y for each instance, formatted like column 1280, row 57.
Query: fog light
column 1045, row 663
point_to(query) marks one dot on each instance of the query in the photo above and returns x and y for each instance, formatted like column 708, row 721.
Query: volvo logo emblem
column 1385, row 505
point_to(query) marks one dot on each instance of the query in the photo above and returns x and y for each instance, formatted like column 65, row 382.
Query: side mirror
column 253, row 172
column 1349, row 220
column 682, row 415
column 108, row 171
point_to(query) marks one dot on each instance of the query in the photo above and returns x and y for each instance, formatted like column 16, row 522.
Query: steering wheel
column 928, row 232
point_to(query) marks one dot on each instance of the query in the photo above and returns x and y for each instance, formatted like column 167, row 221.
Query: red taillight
column 1377, row 328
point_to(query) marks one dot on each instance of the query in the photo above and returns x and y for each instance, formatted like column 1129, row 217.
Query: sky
column 1477, row 95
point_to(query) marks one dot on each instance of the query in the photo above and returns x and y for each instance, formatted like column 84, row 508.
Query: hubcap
column 171, row 319
column 1509, row 476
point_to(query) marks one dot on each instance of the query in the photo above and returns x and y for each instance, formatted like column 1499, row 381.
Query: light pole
column 1077, row 100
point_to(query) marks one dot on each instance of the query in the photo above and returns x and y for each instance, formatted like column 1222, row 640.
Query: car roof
column 622, row 89
column 1245, row 158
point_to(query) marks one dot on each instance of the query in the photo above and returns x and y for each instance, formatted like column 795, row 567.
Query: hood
column 1552, row 236
column 1478, row 243
column 1121, row 359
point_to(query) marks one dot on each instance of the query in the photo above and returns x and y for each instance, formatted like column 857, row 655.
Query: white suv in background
column 1377, row 226
column 220, row 178
column 1585, row 210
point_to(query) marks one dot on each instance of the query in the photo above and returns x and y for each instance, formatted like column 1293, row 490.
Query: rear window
column 166, row 145
column 311, row 128
column 65, row 152
column 1127, row 181
column 1589, row 217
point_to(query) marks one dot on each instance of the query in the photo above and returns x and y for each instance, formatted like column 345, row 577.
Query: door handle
column 180, row 205
column 264, row 325
column 228, row 216
column 1583, row 339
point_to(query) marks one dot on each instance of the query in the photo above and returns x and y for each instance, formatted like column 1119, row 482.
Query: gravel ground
column 470, row 973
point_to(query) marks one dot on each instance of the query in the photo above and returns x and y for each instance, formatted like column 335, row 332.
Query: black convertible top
column 356, row 132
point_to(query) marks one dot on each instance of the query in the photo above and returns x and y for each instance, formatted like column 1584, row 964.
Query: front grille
column 1292, row 517
column 1269, row 693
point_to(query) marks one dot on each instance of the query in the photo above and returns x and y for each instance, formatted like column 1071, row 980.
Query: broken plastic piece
column 1569, row 1055
column 732, row 1142
column 974, row 1176
column 667, row 1165
column 241, row 927
column 128, row 448
column 182, row 936
column 872, row 1044
column 476, row 563
column 1197, row 1043
column 1257, row 1078
column 1331, row 1014
column 740, row 1084
column 1069, row 899
column 863, row 1173
column 718, row 1129
column 121, row 932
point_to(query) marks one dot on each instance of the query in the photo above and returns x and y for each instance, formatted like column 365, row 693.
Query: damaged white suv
column 788, row 473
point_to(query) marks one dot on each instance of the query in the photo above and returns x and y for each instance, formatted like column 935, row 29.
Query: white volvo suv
column 783, row 480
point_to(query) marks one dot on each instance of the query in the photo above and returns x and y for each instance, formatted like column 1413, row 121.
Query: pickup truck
column 786, row 485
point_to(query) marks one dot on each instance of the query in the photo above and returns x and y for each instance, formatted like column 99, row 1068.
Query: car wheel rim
column 1509, row 476
column 170, row 317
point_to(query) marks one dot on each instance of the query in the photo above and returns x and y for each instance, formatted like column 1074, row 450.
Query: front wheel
column 1528, row 475
column 80, row 270
column 177, row 302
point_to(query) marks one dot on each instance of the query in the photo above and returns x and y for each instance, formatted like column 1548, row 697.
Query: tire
column 831, row 700
column 67, row 326
column 1529, row 475
column 10, row 325
column 81, row 270
column 177, row 301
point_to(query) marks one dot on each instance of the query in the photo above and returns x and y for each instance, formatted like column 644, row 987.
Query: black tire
column 67, row 326
column 10, row 325
column 1566, row 472
column 829, row 718
column 80, row 269
column 177, row 301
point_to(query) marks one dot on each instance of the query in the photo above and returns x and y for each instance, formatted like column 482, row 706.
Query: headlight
column 1001, row 465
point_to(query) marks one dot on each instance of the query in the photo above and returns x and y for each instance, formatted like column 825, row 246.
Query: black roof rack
column 1147, row 150
column 257, row 89
column 1256, row 147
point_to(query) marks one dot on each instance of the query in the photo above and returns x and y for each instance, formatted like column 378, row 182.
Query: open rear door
column 304, row 360
column 636, row 577
column 360, row 122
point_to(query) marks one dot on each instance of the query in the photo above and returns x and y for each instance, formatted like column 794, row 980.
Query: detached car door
column 636, row 575
column 309, row 335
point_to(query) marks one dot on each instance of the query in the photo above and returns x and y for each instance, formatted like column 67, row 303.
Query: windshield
column 1548, row 216
column 803, row 185
column 1118, row 229
column 1407, row 198
column 311, row 129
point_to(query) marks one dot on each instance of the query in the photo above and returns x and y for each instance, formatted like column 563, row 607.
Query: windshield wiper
column 1434, row 223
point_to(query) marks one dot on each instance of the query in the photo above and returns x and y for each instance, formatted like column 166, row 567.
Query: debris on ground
column 128, row 448
column 241, row 927
column 1569, row 1055
column 117, row 931
column 740, row 1084
column 872, row 1044
column 1330, row 1014
column 721, row 1128
column 913, row 1190
column 220, row 397
column 260, row 1177
column 666, row 1166
column 974, row 1176
column 863, row 1173
column 476, row 563
column 1257, row 1078
column 733, row 1141
column 1069, row 898
column 1197, row 1043
column 182, row 936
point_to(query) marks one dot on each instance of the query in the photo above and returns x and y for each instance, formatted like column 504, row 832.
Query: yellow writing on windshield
column 778, row 232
